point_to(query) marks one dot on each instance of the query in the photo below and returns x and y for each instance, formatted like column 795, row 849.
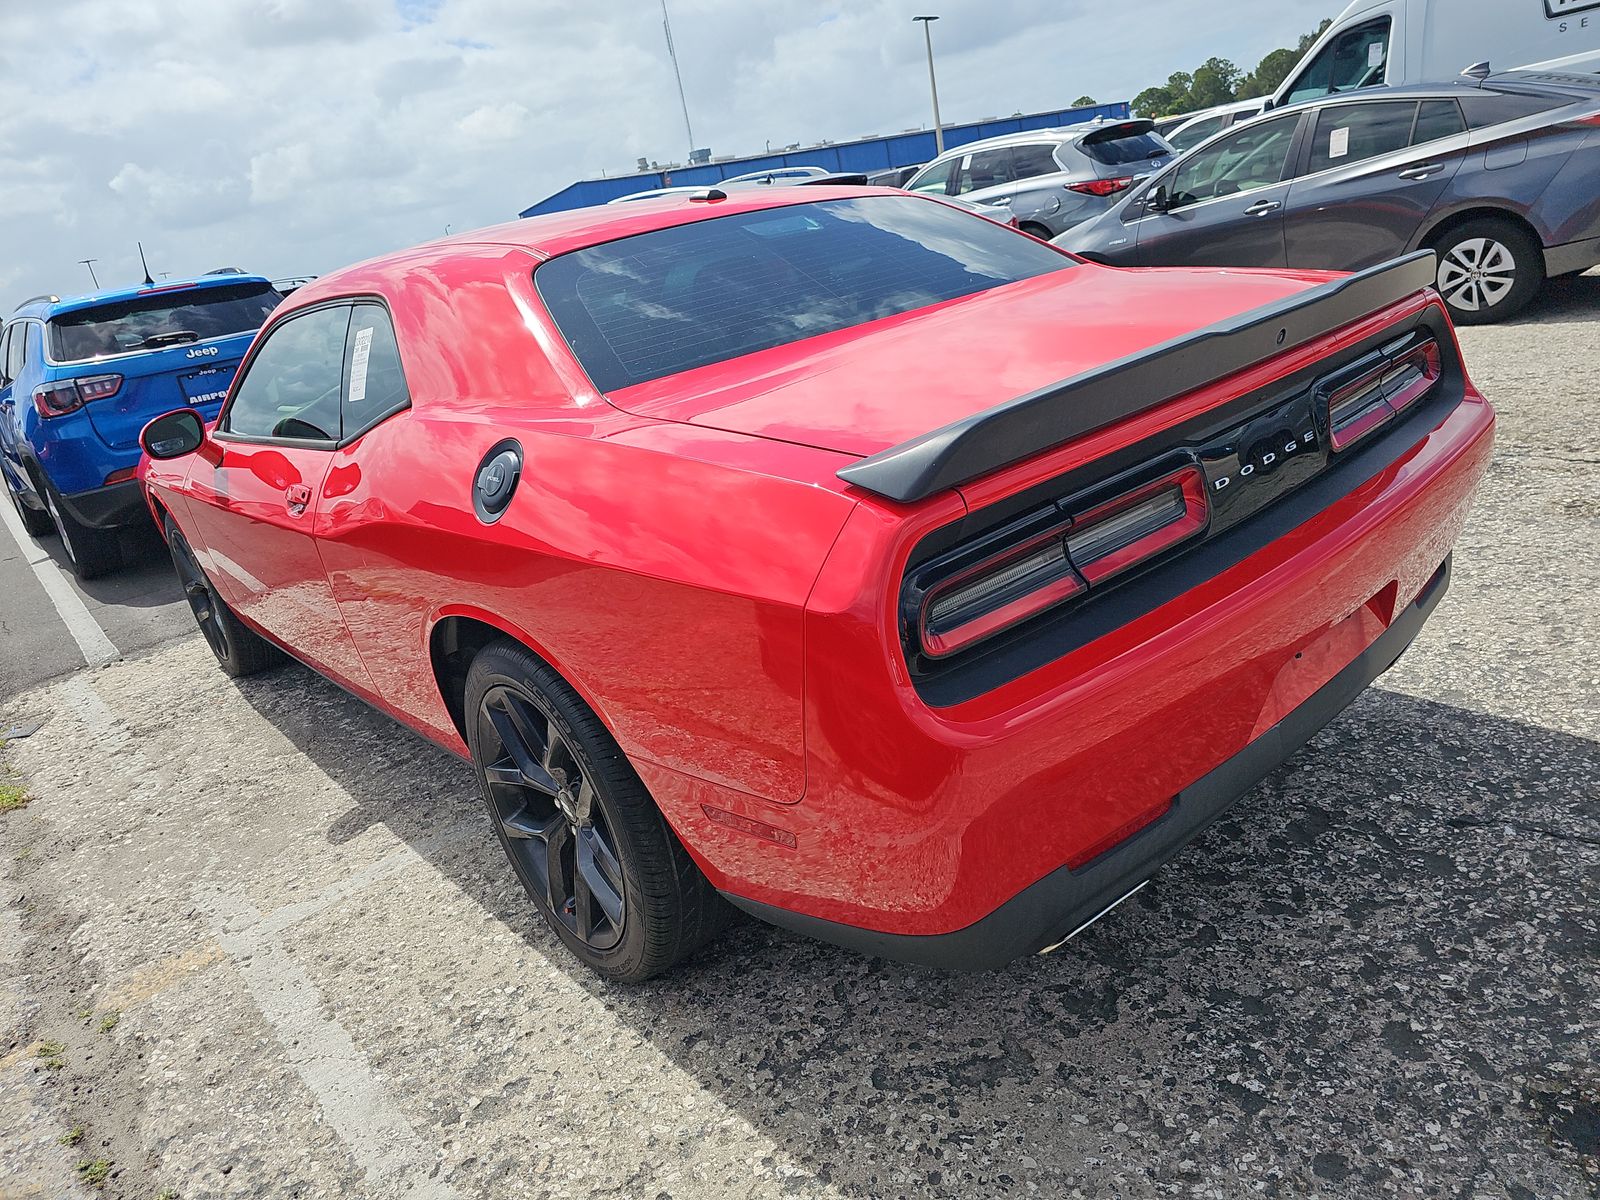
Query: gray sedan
column 1048, row 179
column 1501, row 178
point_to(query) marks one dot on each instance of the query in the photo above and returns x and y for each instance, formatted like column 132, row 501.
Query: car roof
column 1056, row 133
column 45, row 307
column 551, row 234
column 1547, row 83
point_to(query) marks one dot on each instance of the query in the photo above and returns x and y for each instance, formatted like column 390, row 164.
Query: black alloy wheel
column 583, row 834
column 36, row 522
column 239, row 649
column 544, row 803
column 92, row 552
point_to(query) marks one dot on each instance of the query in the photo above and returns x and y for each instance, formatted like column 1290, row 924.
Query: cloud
column 295, row 136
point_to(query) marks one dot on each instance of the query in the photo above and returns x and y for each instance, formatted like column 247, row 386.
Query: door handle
column 1421, row 171
column 296, row 496
column 1262, row 207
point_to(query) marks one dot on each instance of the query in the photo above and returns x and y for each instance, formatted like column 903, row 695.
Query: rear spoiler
column 1043, row 419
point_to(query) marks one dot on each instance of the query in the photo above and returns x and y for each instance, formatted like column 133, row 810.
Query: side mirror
column 173, row 434
column 1159, row 199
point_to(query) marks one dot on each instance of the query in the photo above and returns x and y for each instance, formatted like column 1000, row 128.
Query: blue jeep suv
column 80, row 377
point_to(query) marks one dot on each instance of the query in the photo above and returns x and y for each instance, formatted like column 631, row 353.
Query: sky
column 295, row 136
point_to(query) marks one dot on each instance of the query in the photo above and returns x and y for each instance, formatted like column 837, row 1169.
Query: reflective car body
column 720, row 558
column 1049, row 179
column 1351, row 180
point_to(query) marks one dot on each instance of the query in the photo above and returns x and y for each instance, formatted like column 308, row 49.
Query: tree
column 1269, row 73
column 1155, row 102
column 1214, row 83
column 1084, row 102
column 1218, row 81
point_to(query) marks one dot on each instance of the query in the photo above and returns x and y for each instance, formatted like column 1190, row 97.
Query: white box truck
column 1375, row 42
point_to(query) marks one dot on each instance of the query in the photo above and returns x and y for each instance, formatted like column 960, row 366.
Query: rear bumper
column 107, row 507
column 1064, row 900
column 1572, row 256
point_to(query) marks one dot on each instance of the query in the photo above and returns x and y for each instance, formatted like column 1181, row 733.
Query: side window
column 292, row 386
column 1353, row 59
column 936, row 179
column 1491, row 108
column 985, row 169
column 5, row 343
column 1028, row 161
column 17, row 350
column 1252, row 158
column 1349, row 133
column 374, row 384
column 1193, row 135
column 1437, row 119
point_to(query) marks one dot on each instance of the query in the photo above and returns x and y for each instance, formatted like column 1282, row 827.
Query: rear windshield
column 1491, row 108
column 1124, row 149
column 160, row 320
column 674, row 299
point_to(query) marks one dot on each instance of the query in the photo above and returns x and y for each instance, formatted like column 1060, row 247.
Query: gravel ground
column 257, row 941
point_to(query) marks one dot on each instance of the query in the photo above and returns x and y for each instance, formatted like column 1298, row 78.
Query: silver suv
column 1048, row 179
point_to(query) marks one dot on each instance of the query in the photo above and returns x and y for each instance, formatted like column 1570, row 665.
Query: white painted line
column 353, row 1097
column 92, row 641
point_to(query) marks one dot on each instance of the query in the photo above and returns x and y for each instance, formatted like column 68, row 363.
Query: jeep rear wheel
column 92, row 552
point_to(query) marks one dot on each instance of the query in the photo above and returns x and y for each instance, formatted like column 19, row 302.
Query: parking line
column 96, row 647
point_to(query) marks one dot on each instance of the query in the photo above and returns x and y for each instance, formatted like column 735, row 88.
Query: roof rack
column 45, row 296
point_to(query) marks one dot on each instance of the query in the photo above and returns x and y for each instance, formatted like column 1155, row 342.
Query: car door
column 1222, row 205
column 1373, row 170
column 255, row 502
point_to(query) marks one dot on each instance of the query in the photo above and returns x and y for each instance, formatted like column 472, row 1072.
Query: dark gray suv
column 1500, row 178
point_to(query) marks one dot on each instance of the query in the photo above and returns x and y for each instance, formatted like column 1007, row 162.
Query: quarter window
column 1354, row 59
column 1252, row 158
column 1491, row 108
column 1350, row 133
column 374, row 384
column 292, row 386
column 17, row 350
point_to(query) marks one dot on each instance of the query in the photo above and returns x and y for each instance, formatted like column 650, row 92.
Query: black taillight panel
column 1027, row 580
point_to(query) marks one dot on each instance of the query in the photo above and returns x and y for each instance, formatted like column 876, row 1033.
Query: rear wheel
column 1038, row 230
column 1488, row 271
column 36, row 521
column 92, row 552
column 582, row 833
column 239, row 649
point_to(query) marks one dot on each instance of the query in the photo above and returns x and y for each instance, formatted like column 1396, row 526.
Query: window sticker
column 1338, row 147
column 358, row 365
column 1375, row 54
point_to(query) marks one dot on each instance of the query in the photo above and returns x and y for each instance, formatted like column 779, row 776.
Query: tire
column 1488, row 271
column 92, row 552
column 583, row 835
column 35, row 521
column 1036, row 229
column 240, row 650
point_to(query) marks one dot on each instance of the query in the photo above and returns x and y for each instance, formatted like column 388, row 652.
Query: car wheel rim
column 203, row 602
column 61, row 526
column 1478, row 273
column 546, row 807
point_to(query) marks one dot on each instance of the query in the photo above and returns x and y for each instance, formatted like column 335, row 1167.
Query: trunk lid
column 863, row 390
column 162, row 380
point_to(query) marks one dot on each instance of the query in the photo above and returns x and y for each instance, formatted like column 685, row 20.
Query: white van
column 1391, row 42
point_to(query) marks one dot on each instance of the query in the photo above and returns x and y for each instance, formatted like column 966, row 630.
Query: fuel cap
column 496, row 481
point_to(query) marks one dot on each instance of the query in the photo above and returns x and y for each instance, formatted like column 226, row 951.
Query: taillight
column 1591, row 119
column 1357, row 408
column 1034, row 570
column 1124, row 532
column 69, row 395
column 1101, row 187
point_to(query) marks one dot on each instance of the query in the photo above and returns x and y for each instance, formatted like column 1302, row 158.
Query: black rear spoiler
column 1042, row 419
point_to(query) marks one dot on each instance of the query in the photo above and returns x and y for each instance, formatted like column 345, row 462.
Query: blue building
column 865, row 155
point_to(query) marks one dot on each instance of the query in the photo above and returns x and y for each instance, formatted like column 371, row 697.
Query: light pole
column 90, row 262
column 933, row 84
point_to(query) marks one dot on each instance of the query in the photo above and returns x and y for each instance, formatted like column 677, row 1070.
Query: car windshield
column 163, row 319
column 1119, row 149
column 673, row 299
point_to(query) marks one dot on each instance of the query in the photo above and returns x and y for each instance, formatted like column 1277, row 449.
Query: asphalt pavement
column 256, row 940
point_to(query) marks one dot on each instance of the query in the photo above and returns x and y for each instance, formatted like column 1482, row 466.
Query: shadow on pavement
column 1379, row 971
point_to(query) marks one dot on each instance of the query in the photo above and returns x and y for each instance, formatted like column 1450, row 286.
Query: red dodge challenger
column 859, row 561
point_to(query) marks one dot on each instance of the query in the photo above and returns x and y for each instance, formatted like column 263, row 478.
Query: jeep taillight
column 1357, row 408
column 1019, row 571
column 69, row 395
